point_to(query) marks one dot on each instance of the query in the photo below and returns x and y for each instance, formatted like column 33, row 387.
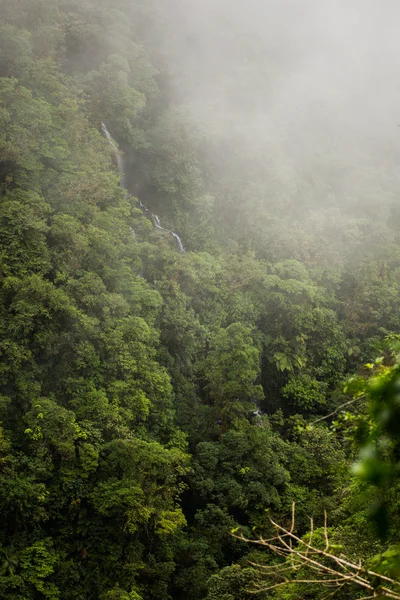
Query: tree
column 231, row 369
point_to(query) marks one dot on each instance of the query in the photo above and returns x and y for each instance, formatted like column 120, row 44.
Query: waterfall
column 121, row 170
column 175, row 235
column 117, row 154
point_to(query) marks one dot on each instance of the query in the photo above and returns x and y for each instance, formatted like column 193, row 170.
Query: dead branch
column 333, row 413
column 329, row 570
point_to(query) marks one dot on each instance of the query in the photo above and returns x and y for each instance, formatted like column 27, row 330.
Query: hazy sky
column 304, row 78
column 326, row 50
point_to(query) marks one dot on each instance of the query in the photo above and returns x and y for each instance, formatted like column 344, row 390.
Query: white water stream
column 175, row 235
column 117, row 154
column 121, row 170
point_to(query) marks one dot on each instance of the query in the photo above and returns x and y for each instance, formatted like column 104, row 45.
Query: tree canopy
column 153, row 401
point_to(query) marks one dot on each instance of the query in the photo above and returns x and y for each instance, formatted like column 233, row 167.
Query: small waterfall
column 117, row 154
column 175, row 235
column 121, row 170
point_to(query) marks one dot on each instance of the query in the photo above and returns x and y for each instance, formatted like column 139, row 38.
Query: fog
column 297, row 55
column 309, row 87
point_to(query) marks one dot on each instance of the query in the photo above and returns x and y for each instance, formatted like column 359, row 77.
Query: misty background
column 303, row 97
column 199, row 294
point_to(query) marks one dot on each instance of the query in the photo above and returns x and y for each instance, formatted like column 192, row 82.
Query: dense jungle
column 199, row 300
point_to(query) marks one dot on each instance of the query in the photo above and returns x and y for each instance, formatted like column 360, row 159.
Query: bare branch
column 333, row 413
column 329, row 570
column 293, row 516
column 311, row 534
column 326, row 531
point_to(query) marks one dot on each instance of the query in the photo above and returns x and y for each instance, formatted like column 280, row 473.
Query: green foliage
column 378, row 433
column 230, row 369
column 305, row 392
column 231, row 584
column 133, row 378
column 111, row 97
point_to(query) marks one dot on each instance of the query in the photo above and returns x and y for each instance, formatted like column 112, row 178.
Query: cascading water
column 175, row 235
column 117, row 154
column 121, row 170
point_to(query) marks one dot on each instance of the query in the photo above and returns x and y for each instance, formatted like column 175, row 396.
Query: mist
column 304, row 91
column 199, row 299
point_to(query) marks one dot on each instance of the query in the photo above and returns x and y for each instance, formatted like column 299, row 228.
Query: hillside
column 184, row 292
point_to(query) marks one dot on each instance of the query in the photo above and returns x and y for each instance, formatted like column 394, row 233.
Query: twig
column 338, row 572
column 332, row 414
column 326, row 530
